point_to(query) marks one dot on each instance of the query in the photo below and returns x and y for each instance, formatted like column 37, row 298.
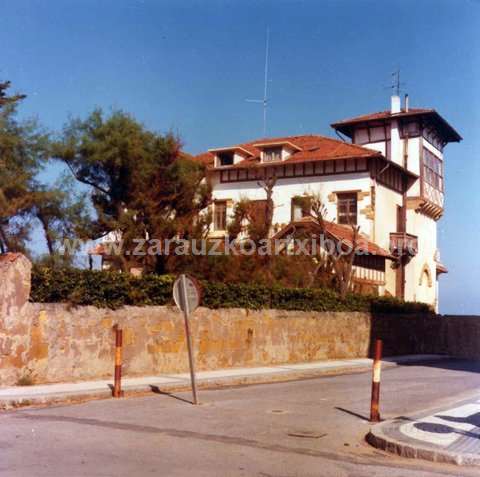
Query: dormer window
column 276, row 151
column 225, row 158
column 229, row 156
column 272, row 154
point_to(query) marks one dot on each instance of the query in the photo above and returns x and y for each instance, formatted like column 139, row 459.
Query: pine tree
column 23, row 152
column 141, row 184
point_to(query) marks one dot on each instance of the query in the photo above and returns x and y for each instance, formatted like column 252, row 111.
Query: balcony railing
column 403, row 244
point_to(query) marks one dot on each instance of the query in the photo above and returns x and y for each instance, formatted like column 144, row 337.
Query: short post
column 377, row 368
column 117, row 387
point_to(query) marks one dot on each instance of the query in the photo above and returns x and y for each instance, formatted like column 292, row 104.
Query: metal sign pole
column 186, row 315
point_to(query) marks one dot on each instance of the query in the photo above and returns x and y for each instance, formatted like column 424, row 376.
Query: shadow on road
column 435, row 428
column 352, row 413
column 157, row 390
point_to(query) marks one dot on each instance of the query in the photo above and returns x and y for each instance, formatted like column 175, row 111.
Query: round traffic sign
column 186, row 293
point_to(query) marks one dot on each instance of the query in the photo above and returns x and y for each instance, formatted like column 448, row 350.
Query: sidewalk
column 46, row 394
column 446, row 435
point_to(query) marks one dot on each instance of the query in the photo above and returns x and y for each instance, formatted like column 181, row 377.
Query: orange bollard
column 377, row 368
column 117, row 387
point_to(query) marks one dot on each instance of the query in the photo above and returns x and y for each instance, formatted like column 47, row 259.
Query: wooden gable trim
column 296, row 169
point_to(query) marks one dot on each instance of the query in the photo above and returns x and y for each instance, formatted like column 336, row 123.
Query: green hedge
column 112, row 290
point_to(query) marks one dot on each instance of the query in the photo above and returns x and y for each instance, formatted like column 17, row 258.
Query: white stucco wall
column 287, row 188
column 378, row 228
column 413, row 159
column 418, row 224
column 377, row 146
column 396, row 143
column 425, row 229
column 386, row 202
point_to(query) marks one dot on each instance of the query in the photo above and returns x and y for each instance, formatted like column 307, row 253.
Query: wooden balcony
column 403, row 244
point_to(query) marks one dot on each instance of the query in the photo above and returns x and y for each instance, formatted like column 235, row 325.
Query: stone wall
column 15, row 274
column 458, row 336
column 54, row 343
column 15, row 349
column 46, row 343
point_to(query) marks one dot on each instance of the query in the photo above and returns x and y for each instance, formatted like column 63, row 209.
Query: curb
column 379, row 439
column 149, row 389
column 137, row 390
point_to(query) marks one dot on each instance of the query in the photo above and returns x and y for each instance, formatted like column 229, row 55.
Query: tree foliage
column 142, row 185
column 23, row 152
column 340, row 263
column 25, row 201
column 253, row 218
column 63, row 214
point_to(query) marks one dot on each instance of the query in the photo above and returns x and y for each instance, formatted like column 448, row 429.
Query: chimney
column 396, row 108
column 406, row 103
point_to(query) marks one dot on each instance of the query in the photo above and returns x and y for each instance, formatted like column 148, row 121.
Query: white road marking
column 442, row 438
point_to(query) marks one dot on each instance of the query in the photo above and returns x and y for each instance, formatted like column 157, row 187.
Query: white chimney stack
column 396, row 105
column 406, row 103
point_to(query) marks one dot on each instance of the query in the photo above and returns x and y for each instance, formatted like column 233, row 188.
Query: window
column 272, row 154
column 220, row 215
column 432, row 170
column 431, row 135
column 300, row 207
column 225, row 158
column 347, row 208
column 412, row 129
column 377, row 134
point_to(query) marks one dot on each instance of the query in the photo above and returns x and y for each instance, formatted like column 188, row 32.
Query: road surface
column 312, row 427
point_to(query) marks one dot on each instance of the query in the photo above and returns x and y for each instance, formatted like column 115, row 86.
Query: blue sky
column 188, row 66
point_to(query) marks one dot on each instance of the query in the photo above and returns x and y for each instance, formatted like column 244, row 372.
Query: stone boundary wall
column 47, row 343
column 54, row 343
column 455, row 335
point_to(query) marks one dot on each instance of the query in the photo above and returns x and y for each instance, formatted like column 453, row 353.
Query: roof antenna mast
column 396, row 83
column 264, row 101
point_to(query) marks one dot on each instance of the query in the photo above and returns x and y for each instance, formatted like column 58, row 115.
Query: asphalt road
column 303, row 428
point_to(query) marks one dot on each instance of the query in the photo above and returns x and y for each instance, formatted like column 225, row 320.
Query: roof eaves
column 230, row 148
column 345, row 125
column 261, row 145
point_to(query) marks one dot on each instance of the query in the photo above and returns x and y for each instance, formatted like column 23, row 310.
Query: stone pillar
column 15, row 275
column 15, row 324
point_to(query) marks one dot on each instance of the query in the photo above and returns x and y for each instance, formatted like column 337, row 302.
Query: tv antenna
column 265, row 100
column 396, row 83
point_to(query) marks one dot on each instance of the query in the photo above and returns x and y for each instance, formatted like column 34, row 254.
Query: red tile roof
column 310, row 148
column 451, row 135
column 338, row 232
column 382, row 115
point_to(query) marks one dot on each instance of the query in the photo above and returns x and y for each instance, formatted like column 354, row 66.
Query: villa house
column 388, row 180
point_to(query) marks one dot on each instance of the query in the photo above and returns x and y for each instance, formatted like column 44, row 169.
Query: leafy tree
column 23, row 152
column 254, row 217
column 142, row 185
column 62, row 214
column 4, row 99
column 24, row 201
column 341, row 263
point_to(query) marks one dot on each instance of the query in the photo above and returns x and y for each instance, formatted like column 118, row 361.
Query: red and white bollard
column 117, row 387
column 377, row 369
